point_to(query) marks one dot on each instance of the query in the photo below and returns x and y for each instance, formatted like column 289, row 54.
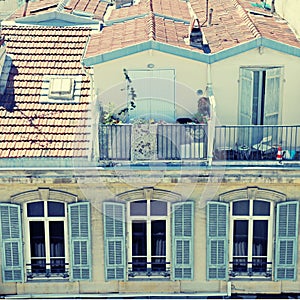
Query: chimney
column 196, row 38
column 210, row 17
column 25, row 8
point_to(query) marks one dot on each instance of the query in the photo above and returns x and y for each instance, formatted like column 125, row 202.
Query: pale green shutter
column 245, row 96
column 114, row 241
column 11, row 241
column 217, row 241
column 286, row 240
column 183, row 238
column 272, row 96
column 80, row 241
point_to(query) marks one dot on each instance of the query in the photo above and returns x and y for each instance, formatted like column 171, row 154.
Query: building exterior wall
column 199, row 185
column 192, row 76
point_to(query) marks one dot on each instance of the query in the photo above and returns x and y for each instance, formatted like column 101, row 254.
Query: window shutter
column 272, row 96
column 114, row 241
column 11, row 240
column 217, row 241
column 286, row 240
column 183, row 237
column 80, row 241
column 245, row 96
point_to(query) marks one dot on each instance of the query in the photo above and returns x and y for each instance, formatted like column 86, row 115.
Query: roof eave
column 190, row 54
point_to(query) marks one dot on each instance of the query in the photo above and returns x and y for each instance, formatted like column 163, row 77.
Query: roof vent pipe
column 210, row 17
column 25, row 8
column 206, row 17
column 273, row 6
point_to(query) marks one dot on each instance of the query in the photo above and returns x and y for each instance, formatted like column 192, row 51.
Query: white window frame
column 148, row 218
column 251, row 218
column 46, row 221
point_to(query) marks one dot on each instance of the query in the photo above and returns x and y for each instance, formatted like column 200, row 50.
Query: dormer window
column 61, row 88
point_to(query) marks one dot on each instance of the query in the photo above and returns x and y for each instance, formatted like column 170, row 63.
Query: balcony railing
column 160, row 142
column 141, row 142
column 257, row 142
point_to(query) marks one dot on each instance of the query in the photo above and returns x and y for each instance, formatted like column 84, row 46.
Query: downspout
column 212, row 122
column 94, row 141
column 25, row 8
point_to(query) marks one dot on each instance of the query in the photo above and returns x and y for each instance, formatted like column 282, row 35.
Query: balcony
column 256, row 142
column 180, row 142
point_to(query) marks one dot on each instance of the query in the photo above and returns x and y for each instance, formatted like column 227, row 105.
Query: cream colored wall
column 7, row 7
column 190, row 76
column 103, row 185
column 225, row 77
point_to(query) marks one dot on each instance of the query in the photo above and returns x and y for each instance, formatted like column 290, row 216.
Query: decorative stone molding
column 149, row 193
column 44, row 194
column 252, row 193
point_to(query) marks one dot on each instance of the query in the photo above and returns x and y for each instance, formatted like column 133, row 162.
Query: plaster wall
column 192, row 75
column 100, row 185
column 226, row 88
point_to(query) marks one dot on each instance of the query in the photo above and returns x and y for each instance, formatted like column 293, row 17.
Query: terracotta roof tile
column 28, row 127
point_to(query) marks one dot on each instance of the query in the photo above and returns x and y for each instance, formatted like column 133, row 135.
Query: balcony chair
column 264, row 147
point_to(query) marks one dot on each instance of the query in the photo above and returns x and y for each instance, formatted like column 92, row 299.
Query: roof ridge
column 151, row 21
column 246, row 18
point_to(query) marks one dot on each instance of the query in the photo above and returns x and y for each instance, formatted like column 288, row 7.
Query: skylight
column 61, row 88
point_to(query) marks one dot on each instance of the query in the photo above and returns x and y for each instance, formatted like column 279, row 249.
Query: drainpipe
column 273, row 7
column 212, row 122
column 25, row 8
column 94, row 142
column 206, row 15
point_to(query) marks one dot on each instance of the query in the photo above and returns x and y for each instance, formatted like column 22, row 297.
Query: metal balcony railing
column 257, row 142
column 141, row 142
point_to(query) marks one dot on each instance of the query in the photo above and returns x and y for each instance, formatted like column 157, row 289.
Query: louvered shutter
column 286, row 240
column 114, row 240
column 11, row 241
column 272, row 96
column 80, row 241
column 245, row 96
column 217, row 241
column 183, row 238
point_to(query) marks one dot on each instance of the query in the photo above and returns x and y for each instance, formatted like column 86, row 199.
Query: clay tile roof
column 233, row 23
column 30, row 128
column 35, row 8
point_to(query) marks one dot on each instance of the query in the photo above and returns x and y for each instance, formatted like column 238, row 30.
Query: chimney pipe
column 210, row 17
column 273, row 6
column 25, row 8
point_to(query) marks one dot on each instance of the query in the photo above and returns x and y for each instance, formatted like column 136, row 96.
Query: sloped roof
column 167, row 23
column 28, row 127
column 94, row 8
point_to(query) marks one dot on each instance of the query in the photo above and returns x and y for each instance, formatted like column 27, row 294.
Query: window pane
column 260, row 237
column 158, row 208
column 35, row 209
column 158, row 245
column 241, row 208
column 138, row 208
column 240, row 238
column 139, row 246
column 56, row 209
column 261, row 208
column 139, row 238
column 57, row 246
column 37, row 246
